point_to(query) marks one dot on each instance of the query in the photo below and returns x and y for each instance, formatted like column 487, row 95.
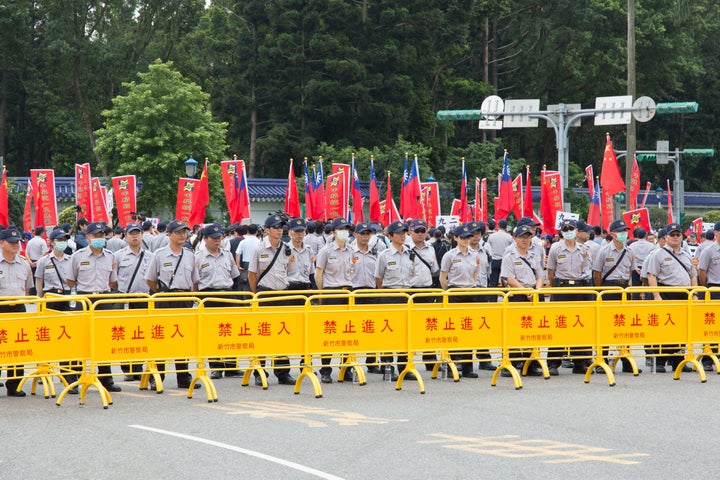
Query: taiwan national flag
column 506, row 199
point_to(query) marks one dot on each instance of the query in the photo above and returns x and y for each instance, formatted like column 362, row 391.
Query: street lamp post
column 659, row 194
column 191, row 167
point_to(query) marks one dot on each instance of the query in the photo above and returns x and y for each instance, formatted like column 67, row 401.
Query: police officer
column 300, row 270
column 486, row 254
column 671, row 266
column 522, row 268
column 92, row 272
column 611, row 268
column 640, row 249
column 132, row 265
column 216, row 273
column 173, row 269
column 394, row 269
column 52, row 270
column 333, row 270
column 709, row 275
column 567, row 266
column 498, row 242
column 460, row 268
column 268, row 272
column 16, row 280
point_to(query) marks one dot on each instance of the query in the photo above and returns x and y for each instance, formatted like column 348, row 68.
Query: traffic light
column 676, row 107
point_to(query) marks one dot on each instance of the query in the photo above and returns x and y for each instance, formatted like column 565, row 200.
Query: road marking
column 307, row 415
column 269, row 458
column 507, row 446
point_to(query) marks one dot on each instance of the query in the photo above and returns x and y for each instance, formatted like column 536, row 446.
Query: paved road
column 645, row 427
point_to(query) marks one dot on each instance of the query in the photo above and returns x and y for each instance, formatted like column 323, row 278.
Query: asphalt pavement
column 645, row 427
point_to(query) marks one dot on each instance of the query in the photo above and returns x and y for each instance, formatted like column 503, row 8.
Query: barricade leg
column 151, row 370
column 350, row 361
column 625, row 353
column 708, row 352
column 307, row 371
column 202, row 376
column 255, row 366
column 446, row 359
column 44, row 374
column 410, row 368
column 506, row 364
column 599, row 361
column 536, row 357
column 690, row 360
column 86, row 381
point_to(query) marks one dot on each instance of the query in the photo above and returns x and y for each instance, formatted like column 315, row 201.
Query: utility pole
column 631, row 90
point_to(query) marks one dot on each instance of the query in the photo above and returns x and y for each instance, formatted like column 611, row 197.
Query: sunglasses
column 676, row 234
column 419, row 230
column 568, row 229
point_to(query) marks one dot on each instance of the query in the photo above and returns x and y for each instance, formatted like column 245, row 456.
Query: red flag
column 335, row 199
column 590, row 180
column 464, row 212
column 183, row 206
column 83, row 191
column 594, row 213
column 345, row 168
column 432, row 202
column 242, row 201
column 27, row 216
column 125, row 191
column 551, row 199
column 357, row 201
column 375, row 215
column 388, row 209
column 483, row 198
column 607, row 208
column 506, row 200
column 292, row 198
column 4, row 213
column 43, row 182
column 201, row 198
column 669, row 203
column 99, row 203
column 456, row 207
column 634, row 185
column 308, row 190
column 638, row 218
column 389, row 216
column 517, row 196
column 610, row 179
column 528, row 210
column 697, row 227
column 477, row 211
column 647, row 190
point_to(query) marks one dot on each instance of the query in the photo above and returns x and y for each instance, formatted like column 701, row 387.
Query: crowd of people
column 292, row 254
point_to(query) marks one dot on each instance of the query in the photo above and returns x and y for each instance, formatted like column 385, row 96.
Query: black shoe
column 111, row 387
column 568, row 364
column 286, row 380
column 394, row 377
column 429, row 367
column 505, row 373
column 183, row 385
column 216, row 375
column 348, row 375
column 629, row 370
column 151, row 385
column 73, row 391
column 580, row 370
column 599, row 369
column 660, row 369
column 553, row 371
column 326, row 378
column 374, row 370
column 258, row 381
column 15, row 393
column 410, row 376
column 686, row 368
column 130, row 378
column 708, row 367
column 486, row 366
column 234, row 373
column 534, row 372
column 2, row 384
column 470, row 374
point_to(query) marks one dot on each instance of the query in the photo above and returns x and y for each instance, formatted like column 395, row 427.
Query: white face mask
column 622, row 237
column 342, row 235
column 61, row 246
column 569, row 235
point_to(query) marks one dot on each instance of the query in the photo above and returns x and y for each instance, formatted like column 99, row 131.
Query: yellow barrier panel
column 705, row 324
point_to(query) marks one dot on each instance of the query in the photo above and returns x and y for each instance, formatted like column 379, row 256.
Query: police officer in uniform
column 393, row 270
column 132, row 264
column 268, row 272
column 333, row 270
column 16, row 280
column 300, row 270
column 709, row 275
column 671, row 265
column 612, row 266
column 522, row 268
column 567, row 266
column 217, row 271
column 93, row 271
column 460, row 268
column 173, row 269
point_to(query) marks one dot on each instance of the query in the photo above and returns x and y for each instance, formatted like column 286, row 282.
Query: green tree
column 150, row 132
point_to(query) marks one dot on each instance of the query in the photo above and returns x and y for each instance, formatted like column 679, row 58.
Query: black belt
column 611, row 283
column 59, row 291
column 214, row 290
column 561, row 282
column 299, row 286
column 713, row 284
column 93, row 293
